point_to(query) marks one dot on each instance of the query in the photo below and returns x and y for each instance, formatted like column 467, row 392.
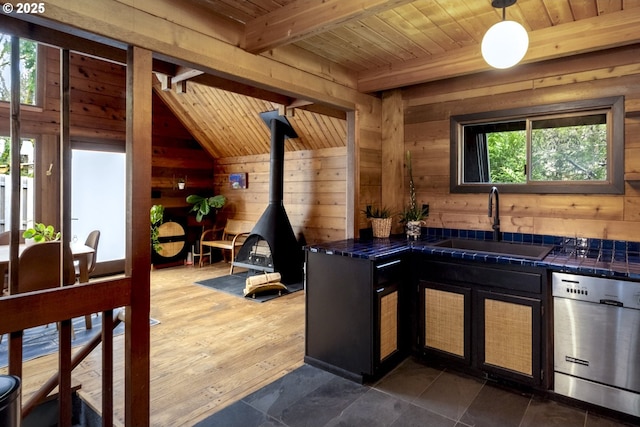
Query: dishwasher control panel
column 615, row 292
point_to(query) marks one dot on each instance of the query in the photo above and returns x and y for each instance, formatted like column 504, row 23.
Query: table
column 80, row 252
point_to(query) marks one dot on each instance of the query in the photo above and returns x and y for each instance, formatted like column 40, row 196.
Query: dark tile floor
column 411, row 395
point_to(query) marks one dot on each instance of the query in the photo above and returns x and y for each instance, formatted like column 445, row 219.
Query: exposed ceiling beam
column 324, row 110
column 254, row 92
column 587, row 35
column 185, row 73
column 165, row 81
column 113, row 52
column 54, row 37
column 241, row 88
column 297, row 103
column 304, row 18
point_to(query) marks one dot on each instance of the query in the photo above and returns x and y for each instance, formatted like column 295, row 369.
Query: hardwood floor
column 209, row 350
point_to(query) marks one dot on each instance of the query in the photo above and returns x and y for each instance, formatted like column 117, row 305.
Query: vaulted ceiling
column 379, row 45
column 374, row 45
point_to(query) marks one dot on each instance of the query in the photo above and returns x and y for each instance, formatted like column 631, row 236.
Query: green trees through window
column 507, row 156
column 573, row 147
column 573, row 152
column 28, row 62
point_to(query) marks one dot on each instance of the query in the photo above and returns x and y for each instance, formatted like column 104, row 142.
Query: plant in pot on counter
column 380, row 220
column 413, row 215
column 202, row 206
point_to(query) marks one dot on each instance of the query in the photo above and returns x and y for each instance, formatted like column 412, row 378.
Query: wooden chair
column 92, row 241
column 233, row 236
column 5, row 237
column 39, row 267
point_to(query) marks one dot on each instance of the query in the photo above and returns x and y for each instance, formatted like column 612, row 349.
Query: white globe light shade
column 505, row 44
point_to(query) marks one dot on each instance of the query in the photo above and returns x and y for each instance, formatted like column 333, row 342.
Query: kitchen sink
column 515, row 250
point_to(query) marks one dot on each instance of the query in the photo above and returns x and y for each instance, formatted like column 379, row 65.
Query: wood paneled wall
column 97, row 115
column 315, row 191
column 176, row 154
column 315, row 181
column 207, row 49
column 98, row 103
column 97, row 100
column 428, row 109
column 369, row 167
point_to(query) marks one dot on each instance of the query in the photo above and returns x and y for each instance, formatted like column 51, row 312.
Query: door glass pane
column 98, row 200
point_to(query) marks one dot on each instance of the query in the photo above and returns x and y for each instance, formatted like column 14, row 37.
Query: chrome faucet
column 496, row 217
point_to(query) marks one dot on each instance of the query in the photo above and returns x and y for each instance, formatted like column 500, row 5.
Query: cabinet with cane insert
column 488, row 320
column 355, row 316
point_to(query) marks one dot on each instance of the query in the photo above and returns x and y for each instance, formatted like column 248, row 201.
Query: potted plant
column 202, row 206
column 181, row 183
column 156, row 215
column 41, row 233
column 413, row 215
column 380, row 220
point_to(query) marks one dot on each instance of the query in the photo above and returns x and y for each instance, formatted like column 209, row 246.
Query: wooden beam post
column 15, row 338
column 64, row 176
column 393, row 152
column 352, row 226
column 138, row 250
column 16, row 142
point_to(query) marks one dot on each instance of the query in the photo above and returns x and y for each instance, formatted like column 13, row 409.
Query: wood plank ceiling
column 228, row 124
column 383, row 43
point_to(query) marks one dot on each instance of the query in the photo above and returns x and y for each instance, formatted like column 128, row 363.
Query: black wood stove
column 272, row 246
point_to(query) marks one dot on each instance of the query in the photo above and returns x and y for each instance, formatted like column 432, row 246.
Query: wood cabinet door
column 509, row 335
column 445, row 320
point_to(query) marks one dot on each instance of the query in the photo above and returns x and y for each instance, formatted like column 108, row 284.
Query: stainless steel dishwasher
column 597, row 341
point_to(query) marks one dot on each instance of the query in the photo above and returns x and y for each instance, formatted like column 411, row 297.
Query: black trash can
column 10, row 401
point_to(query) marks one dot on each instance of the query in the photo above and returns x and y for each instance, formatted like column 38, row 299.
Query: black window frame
column 615, row 160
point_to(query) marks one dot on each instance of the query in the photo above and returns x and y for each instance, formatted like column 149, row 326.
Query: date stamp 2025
column 22, row 8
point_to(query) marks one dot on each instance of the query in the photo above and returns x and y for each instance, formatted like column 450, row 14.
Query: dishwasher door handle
column 611, row 302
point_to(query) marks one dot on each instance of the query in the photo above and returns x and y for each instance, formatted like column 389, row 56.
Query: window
column 574, row 147
column 28, row 67
column 26, row 183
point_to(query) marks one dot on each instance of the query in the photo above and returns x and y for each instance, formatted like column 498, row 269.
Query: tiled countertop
column 573, row 255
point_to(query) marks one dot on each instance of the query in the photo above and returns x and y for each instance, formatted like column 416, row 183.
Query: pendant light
column 505, row 43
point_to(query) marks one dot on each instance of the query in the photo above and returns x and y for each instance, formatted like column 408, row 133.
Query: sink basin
column 515, row 250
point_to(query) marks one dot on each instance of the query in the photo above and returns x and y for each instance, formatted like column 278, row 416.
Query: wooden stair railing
column 61, row 305
column 109, row 323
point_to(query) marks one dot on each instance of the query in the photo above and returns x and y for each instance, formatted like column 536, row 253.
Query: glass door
column 98, row 203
